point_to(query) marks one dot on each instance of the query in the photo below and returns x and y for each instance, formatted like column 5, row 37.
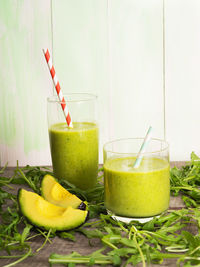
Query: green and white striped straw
column 143, row 148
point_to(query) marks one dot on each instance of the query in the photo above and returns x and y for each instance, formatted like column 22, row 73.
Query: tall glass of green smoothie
column 74, row 151
column 136, row 193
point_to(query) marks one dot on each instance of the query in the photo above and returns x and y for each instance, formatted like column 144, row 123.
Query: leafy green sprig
column 152, row 242
column 186, row 181
column 122, row 244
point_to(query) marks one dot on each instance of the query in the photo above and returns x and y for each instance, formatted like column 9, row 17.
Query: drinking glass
column 136, row 193
column 74, row 151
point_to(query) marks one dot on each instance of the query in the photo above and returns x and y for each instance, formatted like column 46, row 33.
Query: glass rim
column 81, row 97
column 136, row 153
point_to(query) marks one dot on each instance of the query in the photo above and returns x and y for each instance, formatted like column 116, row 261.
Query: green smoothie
column 141, row 192
column 74, row 153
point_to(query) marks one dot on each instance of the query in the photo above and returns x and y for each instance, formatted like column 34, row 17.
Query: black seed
column 82, row 206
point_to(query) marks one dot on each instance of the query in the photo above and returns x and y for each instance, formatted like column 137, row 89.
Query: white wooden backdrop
column 141, row 57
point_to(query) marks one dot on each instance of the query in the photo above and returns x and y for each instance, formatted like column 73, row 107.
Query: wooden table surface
column 81, row 245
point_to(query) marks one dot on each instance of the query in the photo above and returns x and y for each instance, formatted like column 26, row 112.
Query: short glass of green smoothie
column 136, row 193
column 74, row 151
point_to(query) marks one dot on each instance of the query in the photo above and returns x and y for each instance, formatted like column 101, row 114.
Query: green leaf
column 116, row 260
column 194, row 157
column 95, row 233
column 149, row 225
column 25, row 233
column 67, row 235
column 190, row 239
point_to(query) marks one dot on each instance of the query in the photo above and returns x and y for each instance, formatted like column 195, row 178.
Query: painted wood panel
column 25, row 28
column 136, row 67
column 182, row 77
column 124, row 38
column 112, row 48
column 80, row 49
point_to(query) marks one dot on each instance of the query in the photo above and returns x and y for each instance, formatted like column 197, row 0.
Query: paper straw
column 57, row 87
column 143, row 148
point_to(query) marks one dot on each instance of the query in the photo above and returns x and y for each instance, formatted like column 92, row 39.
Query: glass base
column 129, row 219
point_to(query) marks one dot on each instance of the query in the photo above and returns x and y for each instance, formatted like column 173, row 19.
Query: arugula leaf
column 162, row 238
column 94, row 258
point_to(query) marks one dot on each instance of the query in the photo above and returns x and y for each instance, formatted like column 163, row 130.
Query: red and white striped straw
column 58, row 89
